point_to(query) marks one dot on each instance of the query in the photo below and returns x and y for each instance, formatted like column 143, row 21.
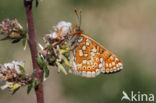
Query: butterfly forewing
column 91, row 58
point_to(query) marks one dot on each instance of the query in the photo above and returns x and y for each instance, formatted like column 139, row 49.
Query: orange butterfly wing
column 90, row 58
column 111, row 61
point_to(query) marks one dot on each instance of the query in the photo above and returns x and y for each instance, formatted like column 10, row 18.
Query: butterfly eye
column 77, row 29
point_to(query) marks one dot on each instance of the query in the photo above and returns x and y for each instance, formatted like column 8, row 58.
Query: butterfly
column 89, row 58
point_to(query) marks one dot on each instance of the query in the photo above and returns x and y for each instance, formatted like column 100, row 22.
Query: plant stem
column 33, row 49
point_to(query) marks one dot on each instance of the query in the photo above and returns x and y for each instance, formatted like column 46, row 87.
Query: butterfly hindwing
column 111, row 61
column 87, row 60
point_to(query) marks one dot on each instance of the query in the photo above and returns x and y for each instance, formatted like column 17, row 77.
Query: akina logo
column 137, row 96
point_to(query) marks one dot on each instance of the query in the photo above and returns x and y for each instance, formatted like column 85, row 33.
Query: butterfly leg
column 74, row 45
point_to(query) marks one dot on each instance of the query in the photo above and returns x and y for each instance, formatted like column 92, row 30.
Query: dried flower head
column 12, row 29
column 60, row 33
column 56, row 51
column 13, row 75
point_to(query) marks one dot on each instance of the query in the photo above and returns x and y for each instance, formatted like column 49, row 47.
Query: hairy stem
column 33, row 49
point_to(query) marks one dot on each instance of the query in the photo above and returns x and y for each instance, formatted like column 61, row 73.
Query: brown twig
column 33, row 49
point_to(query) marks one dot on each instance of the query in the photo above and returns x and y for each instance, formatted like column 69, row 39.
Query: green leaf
column 60, row 66
column 15, row 88
column 36, row 83
column 24, row 41
column 33, row 84
column 40, row 60
column 66, row 61
column 64, row 51
column 43, row 65
column 30, row 86
column 22, row 71
column 15, row 91
column 46, row 72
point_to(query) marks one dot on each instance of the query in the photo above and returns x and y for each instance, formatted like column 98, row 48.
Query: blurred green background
column 127, row 27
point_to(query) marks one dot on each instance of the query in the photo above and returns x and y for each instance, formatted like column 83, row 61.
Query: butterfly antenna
column 78, row 16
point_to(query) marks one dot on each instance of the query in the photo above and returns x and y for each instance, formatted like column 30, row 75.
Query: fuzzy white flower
column 66, row 27
column 54, row 35
column 8, row 65
column 21, row 63
column 2, row 68
column 13, row 65
column 17, row 64
column 4, row 86
column 19, row 25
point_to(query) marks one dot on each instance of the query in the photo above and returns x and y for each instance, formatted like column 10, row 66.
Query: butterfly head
column 76, row 29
